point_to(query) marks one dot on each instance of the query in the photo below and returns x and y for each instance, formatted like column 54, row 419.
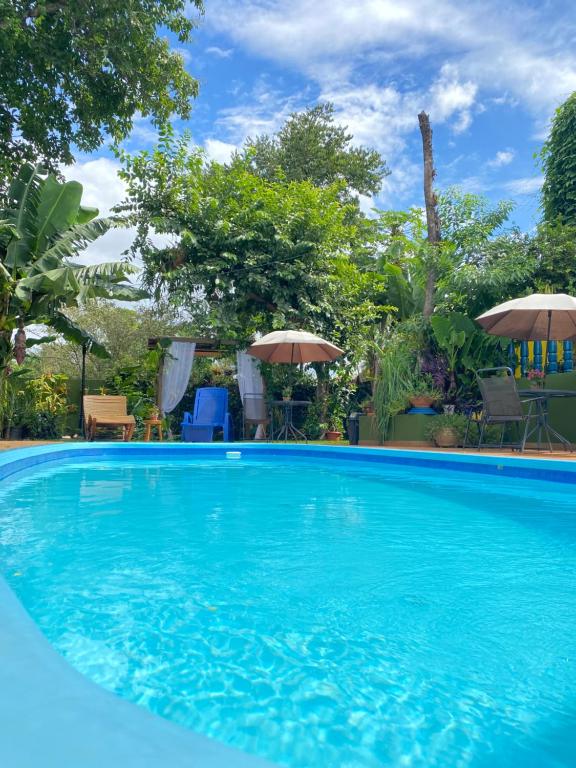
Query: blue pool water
column 322, row 615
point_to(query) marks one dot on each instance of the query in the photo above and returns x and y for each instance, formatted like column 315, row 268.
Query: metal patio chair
column 501, row 405
column 254, row 412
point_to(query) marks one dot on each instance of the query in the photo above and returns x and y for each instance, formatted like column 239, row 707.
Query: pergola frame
column 205, row 347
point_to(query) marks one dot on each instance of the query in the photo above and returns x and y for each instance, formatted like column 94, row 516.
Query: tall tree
column 123, row 331
column 432, row 218
column 74, row 71
column 480, row 260
column 312, row 147
column 559, row 161
column 249, row 254
column 554, row 248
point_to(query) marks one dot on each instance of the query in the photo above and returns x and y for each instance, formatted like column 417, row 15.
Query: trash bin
column 353, row 428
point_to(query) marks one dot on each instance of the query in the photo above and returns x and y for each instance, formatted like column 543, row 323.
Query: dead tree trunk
column 432, row 218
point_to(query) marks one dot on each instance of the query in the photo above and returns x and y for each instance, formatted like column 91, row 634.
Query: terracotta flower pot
column 332, row 435
column 421, row 401
column 446, row 438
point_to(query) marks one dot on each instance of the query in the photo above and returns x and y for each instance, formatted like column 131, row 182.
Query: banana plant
column 42, row 229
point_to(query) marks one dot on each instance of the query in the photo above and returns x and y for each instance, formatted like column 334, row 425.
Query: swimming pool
column 309, row 609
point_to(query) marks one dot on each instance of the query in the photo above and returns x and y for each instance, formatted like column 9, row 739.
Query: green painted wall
column 406, row 428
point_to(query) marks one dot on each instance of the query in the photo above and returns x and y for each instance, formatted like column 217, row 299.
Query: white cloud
column 143, row 132
column 508, row 49
column 381, row 62
column 376, row 116
column 221, row 151
column 220, row 53
column 449, row 96
column 103, row 189
column 262, row 110
column 503, row 157
column 524, row 186
column 305, row 33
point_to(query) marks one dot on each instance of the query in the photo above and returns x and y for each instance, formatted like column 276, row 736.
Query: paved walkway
column 528, row 454
column 7, row 444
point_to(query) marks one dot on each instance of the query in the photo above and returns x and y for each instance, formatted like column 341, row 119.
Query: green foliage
column 397, row 371
column 466, row 348
column 251, row 255
column 469, row 221
column 486, row 263
column 74, row 71
column 559, row 162
column 44, row 227
column 311, row 147
column 554, row 249
column 47, row 406
column 122, row 331
column 423, row 386
column 37, row 404
column 477, row 264
column 136, row 381
column 454, row 335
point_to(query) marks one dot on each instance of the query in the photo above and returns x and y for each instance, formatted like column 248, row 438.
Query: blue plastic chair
column 210, row 413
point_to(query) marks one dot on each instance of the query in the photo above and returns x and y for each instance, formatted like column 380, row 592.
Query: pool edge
column 52, row 715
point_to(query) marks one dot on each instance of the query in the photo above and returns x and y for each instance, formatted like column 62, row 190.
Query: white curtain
column 249, row 377
column 176, row 374
column 250, row 381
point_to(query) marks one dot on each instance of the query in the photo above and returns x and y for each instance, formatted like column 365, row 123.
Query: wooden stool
column 150, row 424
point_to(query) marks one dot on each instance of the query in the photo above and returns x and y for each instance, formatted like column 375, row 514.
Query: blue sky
column 489, row 73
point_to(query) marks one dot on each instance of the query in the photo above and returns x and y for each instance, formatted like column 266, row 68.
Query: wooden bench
column 107, row 411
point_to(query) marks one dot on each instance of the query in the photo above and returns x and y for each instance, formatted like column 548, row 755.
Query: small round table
column 288, row 429
column 542, row 396
column 149, row 426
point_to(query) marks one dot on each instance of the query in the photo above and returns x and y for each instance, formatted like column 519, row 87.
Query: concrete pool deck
column 529, row 453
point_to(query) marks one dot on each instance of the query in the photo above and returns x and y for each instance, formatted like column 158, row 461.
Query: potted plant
column 423, row 393
column 447, row 430
column 151, row 411
column 536, row 378
column 333, row 429
column 287, row 393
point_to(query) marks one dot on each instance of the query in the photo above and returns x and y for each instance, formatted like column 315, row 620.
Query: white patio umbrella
column 294, row 347
column 539, row 317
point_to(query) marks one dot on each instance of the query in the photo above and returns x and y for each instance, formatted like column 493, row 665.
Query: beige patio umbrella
column 539, row 317
column 294, row 347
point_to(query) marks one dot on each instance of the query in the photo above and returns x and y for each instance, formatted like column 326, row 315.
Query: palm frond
column 77, row 335
column 58, row 282
column 115, row 271
column 77, row 238
column 33, row 342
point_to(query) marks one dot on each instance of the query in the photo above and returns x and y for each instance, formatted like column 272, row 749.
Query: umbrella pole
column 546, row 366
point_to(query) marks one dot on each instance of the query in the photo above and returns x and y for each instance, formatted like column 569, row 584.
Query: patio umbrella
column 540, row 317
column 294, row 347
